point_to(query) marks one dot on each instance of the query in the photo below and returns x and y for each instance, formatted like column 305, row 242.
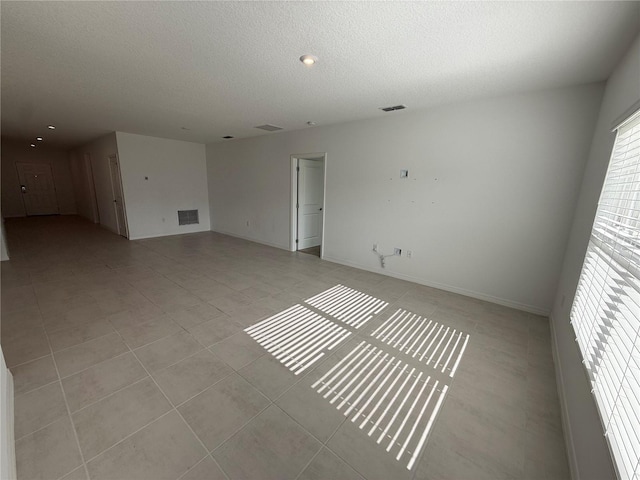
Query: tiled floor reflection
column 131, row 361
column 392, row 402
column 297, row 337
column 347, row 305
column 425, row 340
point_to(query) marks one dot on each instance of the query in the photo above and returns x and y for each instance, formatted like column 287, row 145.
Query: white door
column 310, row 202
column 118, row 199
column 38, row 189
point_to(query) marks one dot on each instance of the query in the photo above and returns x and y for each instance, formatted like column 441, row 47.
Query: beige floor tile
column 207, row 469
column 25, row 345
column 500, row 418
column 164, row 450
column 51, row 452
column 167, row 351
column 69, row 337
column 218, row 412
column 78, row 474
column 269, row 376
column 34, row 374
column 191, row 376
column 38, row 408
column 145, row 333
column 280, row 448
column 74, row 359
column 326, row 465
column 96, row 382
column 238, row 350
column 214, row 331
column 110, row 420
column 189, row 317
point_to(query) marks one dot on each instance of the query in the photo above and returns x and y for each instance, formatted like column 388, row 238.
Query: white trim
column 449, row 288
column 169, row 234
column 251, row 239
column 7, row 434
column 293, row 219
column 564, row 408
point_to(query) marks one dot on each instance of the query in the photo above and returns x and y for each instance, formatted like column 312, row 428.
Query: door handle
column 23, row 188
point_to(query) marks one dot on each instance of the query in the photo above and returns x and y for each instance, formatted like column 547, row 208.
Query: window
column 606, row 310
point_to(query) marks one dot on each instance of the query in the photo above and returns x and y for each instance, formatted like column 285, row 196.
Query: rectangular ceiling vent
column 269, row 128
column 187, row 217
column 391, row 109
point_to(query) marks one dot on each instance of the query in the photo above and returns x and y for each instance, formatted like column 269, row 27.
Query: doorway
column 118, row 197
column 38, row 189
column 308, row 194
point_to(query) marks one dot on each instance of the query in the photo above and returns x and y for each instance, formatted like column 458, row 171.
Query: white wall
column 82, row 177
column 176, row 180
column 7, row 444
column 4, row 252
column 486, row 209
column 20, row 152
column 99, row 151
column 588, row 452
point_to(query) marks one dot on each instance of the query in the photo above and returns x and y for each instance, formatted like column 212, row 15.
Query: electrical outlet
column 397, row 251
column 409, row 253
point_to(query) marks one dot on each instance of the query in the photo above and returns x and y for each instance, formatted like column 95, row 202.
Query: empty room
column 320, row 240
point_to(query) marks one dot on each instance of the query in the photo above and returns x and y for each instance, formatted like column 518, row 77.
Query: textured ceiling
column 221, row 68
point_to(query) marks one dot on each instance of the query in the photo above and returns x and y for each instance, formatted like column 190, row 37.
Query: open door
column 309, row 203
column 118, row 197
column 38, row 189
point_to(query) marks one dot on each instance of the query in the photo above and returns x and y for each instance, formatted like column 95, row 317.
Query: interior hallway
column 130, row 360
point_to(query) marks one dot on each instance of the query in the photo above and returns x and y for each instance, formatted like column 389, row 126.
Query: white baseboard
column 165, row 234
column 449, row 288
column 564, row 410
column 251, row 239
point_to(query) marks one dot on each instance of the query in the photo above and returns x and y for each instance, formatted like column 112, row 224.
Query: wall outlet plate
column 404, row 173
column 397, row 251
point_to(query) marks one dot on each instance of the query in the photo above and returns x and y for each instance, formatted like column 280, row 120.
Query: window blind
column 606, row 310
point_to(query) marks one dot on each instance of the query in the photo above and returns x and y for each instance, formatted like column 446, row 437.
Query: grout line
column 66, row 403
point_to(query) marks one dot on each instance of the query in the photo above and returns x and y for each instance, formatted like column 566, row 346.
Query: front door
column 310, row 202
column 38, row 189
column 118, row 199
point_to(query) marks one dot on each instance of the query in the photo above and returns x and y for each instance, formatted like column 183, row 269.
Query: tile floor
column 131, row 361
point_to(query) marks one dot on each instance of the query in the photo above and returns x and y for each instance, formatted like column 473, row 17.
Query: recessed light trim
column 51, row 127
column 309, row 60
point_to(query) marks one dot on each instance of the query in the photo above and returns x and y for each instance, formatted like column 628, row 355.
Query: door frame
column 293, row 247
column 113, row 195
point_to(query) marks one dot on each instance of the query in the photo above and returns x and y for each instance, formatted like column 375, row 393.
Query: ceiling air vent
column 187, row 217
column 269, row 128
column 391, row 109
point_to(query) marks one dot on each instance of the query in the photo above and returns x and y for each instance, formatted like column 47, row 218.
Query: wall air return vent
column 391, row 109
column 269, row 128
column 187, row 217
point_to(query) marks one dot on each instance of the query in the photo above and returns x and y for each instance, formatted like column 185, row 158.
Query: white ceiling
column 221, row 68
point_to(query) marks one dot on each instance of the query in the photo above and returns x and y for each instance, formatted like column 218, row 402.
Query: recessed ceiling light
column 308, row 60
column 39, row 139
column 51, row 127
column 33, row 144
